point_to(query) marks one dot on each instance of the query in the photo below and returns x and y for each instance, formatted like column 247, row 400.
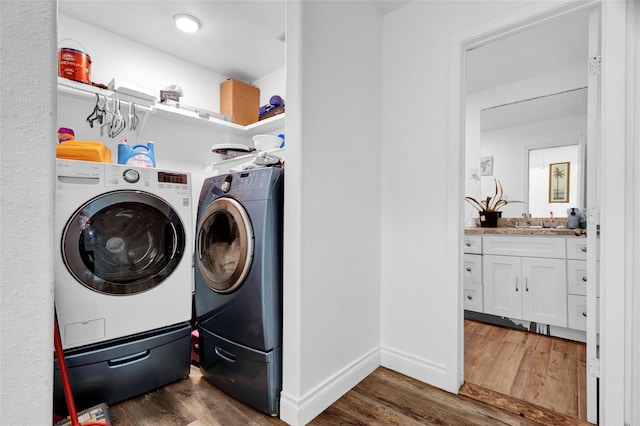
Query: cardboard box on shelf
column 240, row 101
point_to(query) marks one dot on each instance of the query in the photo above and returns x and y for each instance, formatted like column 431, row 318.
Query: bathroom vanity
column 528, row 278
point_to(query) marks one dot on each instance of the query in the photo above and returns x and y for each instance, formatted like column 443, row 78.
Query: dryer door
column 224, row 245
column 123, row 242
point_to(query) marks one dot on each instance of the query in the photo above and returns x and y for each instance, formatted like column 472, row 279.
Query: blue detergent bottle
column 136, row 155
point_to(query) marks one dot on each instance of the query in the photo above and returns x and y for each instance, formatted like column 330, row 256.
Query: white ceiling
column 553, row 46
column 239, row 39
column 541, row 49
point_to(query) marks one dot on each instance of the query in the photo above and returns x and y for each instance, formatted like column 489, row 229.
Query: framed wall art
column 486, row 166
column 559, row 182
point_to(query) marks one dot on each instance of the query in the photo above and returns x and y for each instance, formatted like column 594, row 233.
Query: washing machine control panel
column 131, row 176
column 126, row 176
column 122, row 176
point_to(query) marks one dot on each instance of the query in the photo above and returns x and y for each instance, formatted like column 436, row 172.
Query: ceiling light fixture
column 186, row 23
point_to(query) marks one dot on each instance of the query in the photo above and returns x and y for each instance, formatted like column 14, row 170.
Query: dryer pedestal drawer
column 249, row 375
column 114, row 371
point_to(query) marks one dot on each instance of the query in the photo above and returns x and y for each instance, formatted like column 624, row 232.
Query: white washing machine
column 123, row 279
column 125, row 263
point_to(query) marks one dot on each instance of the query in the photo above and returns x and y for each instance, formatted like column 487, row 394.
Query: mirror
column 522, row 141
column 526, row 103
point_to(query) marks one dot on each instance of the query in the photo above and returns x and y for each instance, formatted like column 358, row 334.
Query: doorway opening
column 509, row 352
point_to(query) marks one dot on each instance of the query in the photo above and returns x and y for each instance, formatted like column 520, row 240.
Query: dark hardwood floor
column 389, row 398
column 383, row 398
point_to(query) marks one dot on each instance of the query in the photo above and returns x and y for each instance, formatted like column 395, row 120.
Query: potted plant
column 489, row 208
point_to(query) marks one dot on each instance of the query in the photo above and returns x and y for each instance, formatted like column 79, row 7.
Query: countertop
column 525, row 231
column 509, row 226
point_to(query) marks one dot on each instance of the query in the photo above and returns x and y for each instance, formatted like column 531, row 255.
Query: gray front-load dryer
column 238, row 284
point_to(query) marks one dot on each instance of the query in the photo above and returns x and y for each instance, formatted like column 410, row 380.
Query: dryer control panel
column 244, row 185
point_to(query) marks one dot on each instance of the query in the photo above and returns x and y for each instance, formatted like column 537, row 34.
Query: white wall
column 633, row 159
column 509, row 147
column 27, row 89
column 332, row 203
column 113, row 56
column 419, row 313
column 272, row 84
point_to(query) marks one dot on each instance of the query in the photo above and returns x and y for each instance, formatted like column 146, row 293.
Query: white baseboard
column 437, row 375
column 298, row 412
column 566, row 333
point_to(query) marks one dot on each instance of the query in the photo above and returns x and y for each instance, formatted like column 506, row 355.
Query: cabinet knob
column 468, row 269
column 584, row 279
column 584, row 314
column 470, row 297
column 583, row 249
column 468, row 244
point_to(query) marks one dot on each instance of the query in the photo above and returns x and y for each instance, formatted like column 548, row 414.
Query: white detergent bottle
column 136, row 155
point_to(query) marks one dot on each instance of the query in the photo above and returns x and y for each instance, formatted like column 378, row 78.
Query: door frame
column 614, row 205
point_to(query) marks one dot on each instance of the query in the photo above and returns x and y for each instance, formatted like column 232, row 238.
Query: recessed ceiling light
column 186, row 23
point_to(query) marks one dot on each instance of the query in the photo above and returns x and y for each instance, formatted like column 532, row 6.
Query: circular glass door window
column 123, row 242
column 224, row 245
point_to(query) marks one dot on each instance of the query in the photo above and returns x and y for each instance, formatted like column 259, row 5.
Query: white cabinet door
column 544, row 295
column 501, row 281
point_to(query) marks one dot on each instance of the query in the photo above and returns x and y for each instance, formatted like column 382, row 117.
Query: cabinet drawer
column 550, row 247
column 577, row 248
column 472, row 244
column 472, row 271
column 577, row 312
column 577, row 277
column 472, row 297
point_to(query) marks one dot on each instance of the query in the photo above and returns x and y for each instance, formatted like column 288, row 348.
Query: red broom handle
column 66, row 385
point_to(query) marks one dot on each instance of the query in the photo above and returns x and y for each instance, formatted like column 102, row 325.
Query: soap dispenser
column 573, row 218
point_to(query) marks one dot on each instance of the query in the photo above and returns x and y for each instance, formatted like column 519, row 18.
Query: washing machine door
column 224, row 245
column 123, row 242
